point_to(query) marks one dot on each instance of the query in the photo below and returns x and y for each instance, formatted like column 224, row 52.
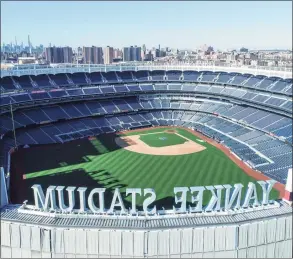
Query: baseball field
column 158, row 158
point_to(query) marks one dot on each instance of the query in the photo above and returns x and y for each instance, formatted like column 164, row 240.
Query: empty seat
column 24, row 81
column 41, row 80
column 78, row 78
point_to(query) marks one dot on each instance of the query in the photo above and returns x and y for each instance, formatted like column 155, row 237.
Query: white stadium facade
column 263, row 231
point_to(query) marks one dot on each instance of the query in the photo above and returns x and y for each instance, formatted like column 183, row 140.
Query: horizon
column 264, row 25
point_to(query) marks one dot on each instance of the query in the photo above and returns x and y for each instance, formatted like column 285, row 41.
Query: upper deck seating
column 208, row 76
column 174, row 75
column 60, row 79
column 55, row 93
column 281, row 85
column 224, row 77
column 109, row 77
column 41, row 80
column 7, row 83
column 141, row 75
column 125, row 76
column 121, row 88
column 91, row 90
column 95, row 77
column 23, row 81
column 39, row 95
column 267, row 82
column 78, row 78
column 254, row 80
column 75, row 92
column 107, row 89
column 190, row 76
column 239, row 79
column 146, row 88
column 157, row 75
column 23, row 97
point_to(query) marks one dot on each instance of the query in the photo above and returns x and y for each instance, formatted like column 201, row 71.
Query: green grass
column 100, row 162
column 162, row 139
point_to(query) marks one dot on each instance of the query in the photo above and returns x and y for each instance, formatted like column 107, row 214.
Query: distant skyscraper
column 67, row 54
column 86, row 55
column 117, row 53
column 126, row 54
column 97, row 53
column 59, row 54
column 108, row 55
column 92, row 55
column 132, row 53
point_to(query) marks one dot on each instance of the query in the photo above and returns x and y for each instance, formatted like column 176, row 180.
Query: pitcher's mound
column 134, row 144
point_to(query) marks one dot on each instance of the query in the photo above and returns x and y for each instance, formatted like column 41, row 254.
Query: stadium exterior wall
column 269, row 237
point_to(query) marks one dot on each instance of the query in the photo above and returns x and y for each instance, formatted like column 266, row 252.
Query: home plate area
column 159, row 143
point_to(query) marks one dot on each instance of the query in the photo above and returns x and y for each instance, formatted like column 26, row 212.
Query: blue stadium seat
column 121, row 88
column 157, row 75
column 253, row 80
column 24, row 97
column 60, row 79
column 95, row 107
column 42, row 81
column 267, row 82
column 91, row 90
column 225, row 77
column 160, row 87
column 208, row 76
column 78, row 78
column 280, row 85
column 57, row 93
column 36, row 115
column 190, row 76
column 23, row 81
column 39, row 95
column 174, row 75
column 55, row 113
column 7, row 83
column 110, row 77
column 134, row 88
column 107, row 89
column 5, row 100
column 125, row 76
column 75, row 92
column 108, row 106
column 141, row 75
column 122, row 105
column 146, row 88
column 95, row 77
column 240, row 78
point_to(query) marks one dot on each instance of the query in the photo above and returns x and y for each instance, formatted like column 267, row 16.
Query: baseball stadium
column 114, row 129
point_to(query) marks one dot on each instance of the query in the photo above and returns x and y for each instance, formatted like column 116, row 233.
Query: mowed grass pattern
column 110, row 166
column 161, row 139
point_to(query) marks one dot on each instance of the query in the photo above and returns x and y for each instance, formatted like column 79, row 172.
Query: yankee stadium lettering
column 232, row 198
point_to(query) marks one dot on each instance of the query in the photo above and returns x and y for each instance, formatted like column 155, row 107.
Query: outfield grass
column 101, row 163
column 162, row 139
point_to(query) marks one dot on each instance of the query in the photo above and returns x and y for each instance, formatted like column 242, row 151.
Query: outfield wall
column 266, row 238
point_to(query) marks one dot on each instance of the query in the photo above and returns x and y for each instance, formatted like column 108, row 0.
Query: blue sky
column 256, row 25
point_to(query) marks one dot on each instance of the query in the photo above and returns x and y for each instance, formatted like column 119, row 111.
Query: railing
column 19, row 70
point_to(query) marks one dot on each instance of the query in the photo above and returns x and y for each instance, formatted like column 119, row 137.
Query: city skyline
column 264, row 25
